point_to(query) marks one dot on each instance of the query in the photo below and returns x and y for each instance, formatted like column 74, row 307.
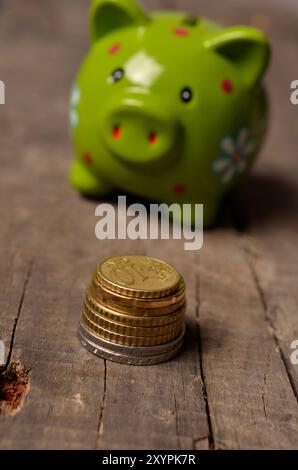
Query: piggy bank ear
column 108, row 15
column 247, row 48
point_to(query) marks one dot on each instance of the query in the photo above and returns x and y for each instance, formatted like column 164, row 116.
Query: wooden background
column 233, row 386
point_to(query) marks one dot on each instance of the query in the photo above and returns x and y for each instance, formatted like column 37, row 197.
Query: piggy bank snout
column 137, row 133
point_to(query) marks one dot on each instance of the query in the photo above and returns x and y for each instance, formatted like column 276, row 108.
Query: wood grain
column 270, row 202
column 251, row 401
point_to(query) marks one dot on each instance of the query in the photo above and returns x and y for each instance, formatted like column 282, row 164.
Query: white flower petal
column 242, row 137
column 228, row 145
column 75, row 96
column 73, row 118
column 221, row 164
column 228, row 175
column 249, row 148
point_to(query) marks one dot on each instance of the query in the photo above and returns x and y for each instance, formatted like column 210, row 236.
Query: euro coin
column 129, row 330
column 138, row 276
column 137, row 306
column 130, row 360
column 89, row 337
column 124, row 318
column 130, row 340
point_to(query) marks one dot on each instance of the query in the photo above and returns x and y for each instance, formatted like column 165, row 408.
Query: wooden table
column 234, row 385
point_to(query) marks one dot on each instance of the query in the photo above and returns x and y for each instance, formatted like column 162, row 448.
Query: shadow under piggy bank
column 262, row 200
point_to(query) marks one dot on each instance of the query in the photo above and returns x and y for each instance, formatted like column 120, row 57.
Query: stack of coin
column 134, row 311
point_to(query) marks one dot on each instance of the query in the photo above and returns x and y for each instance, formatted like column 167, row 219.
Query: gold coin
column 138, row 276
column 128, row 330
column 137, row 306
column 134, row 310
column 133, row 320
column 130, row 340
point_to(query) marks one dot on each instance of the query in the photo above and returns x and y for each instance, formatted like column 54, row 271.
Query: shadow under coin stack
column 134, row 311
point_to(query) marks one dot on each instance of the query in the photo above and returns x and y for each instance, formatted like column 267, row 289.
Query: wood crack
column 265, row 385
column 103, row 404
column 201, row 444
column 20, row 306
column 264, row 405
column 176, row 416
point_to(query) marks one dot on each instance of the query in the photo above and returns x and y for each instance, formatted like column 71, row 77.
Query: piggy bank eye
column 117, row 75
column 186, row 95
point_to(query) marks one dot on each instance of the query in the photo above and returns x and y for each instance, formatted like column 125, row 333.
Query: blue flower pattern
column 236, row 153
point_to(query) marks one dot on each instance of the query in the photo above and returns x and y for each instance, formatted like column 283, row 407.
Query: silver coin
column 129, row 360
column 133, row 351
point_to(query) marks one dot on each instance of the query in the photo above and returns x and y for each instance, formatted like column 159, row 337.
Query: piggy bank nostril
column 153, row 138
column 117, row 131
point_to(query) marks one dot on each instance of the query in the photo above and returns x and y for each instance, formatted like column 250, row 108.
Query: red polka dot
column 182, row 32
column 87, row 158
column 227, row 86
column 179, row 188
column 153, row 138
column 117, row 132
column 114, row 49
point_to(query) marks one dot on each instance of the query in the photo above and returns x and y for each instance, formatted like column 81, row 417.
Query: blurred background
column 42, row 45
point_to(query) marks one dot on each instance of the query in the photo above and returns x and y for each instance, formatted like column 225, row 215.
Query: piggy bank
column 167, row 106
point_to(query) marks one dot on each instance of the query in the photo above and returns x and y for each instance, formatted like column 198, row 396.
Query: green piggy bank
column 167, row 106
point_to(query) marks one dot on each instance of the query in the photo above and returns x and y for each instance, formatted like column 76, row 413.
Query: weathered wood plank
column 165, row 403
column 66, row 390
column 260, row 401
column 250, row 398
column 270, row 202
column 14, row 275
column 63, row 405
column 75, row 400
